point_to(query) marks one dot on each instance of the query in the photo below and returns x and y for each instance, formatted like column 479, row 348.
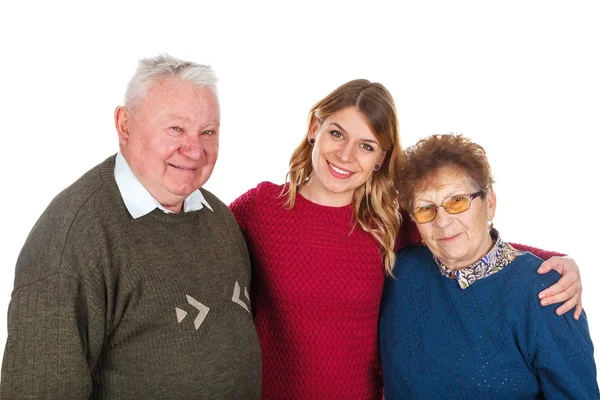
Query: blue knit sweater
column 491, row 340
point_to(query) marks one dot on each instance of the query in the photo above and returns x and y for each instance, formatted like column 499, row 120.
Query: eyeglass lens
column 453, row 205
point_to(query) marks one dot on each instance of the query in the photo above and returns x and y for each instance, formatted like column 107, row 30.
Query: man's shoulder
column 87, row 184
column 91, row 184
column 219, row 209
column 67, row 222
column 211, row 198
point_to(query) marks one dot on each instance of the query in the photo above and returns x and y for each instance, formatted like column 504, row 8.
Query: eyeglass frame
column 471, row 197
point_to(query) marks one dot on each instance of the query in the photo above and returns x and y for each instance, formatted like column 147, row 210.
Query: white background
column 519, row 77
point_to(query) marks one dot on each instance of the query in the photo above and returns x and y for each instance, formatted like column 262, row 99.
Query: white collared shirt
column 138, row 199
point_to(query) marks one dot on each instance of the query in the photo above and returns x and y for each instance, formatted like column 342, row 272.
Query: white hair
column 165, row 65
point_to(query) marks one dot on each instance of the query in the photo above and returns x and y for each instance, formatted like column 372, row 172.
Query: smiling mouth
column 183, row 167
column 449, row 239
column 339, row 172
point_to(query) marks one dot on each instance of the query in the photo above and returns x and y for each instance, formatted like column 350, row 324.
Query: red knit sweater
column 316, row 287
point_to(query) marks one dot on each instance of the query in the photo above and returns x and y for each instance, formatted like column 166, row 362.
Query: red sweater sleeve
column 408, row 235
column 543, row 254
column 242, row 208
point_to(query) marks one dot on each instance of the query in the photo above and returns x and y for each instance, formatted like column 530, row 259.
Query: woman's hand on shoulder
column 568, row 289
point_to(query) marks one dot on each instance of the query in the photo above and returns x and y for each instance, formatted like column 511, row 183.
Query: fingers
column 565, row 283
column 570, row 293
column 566, row 307
column 567, row 289
column 578, row 310
column 546, row 266
column 561, row 264
column 569, row 304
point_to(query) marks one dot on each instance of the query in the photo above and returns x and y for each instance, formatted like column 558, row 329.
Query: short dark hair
column 427, row 157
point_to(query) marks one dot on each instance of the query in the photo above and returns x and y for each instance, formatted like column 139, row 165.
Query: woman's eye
column 367, row 147
column 176, row 129
column 335, row 134
column 208, row 132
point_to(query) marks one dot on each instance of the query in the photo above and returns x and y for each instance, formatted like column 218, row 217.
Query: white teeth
column 339, row 171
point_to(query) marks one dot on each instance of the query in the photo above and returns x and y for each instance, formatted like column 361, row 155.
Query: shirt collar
column 495, row 260
column 138, row 199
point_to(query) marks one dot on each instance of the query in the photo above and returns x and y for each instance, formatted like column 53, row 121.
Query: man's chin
column 183, row 190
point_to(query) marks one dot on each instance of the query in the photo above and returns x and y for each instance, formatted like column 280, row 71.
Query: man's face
column 170, row 139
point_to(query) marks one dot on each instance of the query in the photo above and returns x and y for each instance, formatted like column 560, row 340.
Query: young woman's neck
column 317, row 194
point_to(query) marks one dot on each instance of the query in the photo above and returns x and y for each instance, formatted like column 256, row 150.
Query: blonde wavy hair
column 375, row 203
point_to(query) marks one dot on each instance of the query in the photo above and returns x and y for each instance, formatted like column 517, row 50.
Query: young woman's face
column 344, row 156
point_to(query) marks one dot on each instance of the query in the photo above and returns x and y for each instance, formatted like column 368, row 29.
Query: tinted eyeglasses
column 453, row 205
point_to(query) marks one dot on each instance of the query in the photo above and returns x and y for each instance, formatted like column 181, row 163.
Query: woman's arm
column 563, row 357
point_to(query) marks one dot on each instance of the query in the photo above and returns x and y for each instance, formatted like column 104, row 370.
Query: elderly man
column 134, row 282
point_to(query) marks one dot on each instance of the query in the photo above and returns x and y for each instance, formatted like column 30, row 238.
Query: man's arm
column 55, row 333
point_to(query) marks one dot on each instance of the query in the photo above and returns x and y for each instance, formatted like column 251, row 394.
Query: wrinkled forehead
column 174, row 95
column 171, row 86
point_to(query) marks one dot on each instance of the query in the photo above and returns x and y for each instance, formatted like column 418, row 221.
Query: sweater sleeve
column 55, row 333
column 563, row 356
column 242, row 208
column 543, row 254
column 56, row 317
column 409, row 234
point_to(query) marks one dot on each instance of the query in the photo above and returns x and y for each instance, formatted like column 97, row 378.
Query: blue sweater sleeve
column 563, row 355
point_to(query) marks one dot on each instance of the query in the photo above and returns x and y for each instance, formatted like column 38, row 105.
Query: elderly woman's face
column 458, row 240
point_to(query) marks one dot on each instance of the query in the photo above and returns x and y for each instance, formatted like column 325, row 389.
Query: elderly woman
column 461, row 318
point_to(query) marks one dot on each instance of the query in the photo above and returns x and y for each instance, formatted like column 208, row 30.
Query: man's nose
column 192, row 148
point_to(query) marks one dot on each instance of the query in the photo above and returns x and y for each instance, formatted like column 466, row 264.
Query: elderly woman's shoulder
column 411, row 256
column 410, row 253
column 524, row 269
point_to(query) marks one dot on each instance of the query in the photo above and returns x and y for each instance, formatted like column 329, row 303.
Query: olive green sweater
column 110, row 307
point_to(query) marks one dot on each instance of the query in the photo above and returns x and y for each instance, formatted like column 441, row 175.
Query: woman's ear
column 491, row 204
column 313, row 127
column 381, row 158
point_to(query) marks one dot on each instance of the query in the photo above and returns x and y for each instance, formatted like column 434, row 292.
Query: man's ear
column 122, row 120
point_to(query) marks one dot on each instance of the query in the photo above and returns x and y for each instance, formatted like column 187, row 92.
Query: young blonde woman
column 321, row 244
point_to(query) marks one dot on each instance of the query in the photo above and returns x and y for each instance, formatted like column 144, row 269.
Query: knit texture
column 105, row 306
column 317, row 283
column 492, row 340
